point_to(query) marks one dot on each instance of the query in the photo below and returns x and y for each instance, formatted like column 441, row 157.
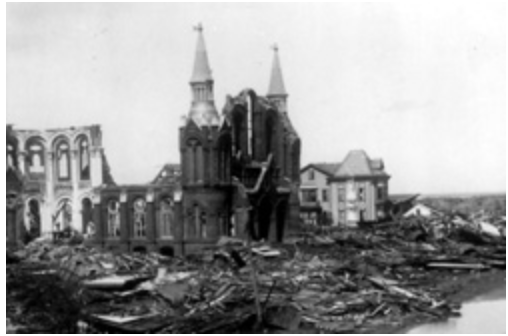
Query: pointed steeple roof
column 202, row 71
column 277, row 87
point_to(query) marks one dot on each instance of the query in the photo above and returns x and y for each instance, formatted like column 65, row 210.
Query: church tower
column 203, row 111
column 204, row 200
column 277, row 90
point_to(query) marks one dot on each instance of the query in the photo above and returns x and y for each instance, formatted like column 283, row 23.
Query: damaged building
column 245, row 160
column 51, row 178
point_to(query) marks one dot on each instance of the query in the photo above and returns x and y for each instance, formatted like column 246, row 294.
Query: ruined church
column 238, row 175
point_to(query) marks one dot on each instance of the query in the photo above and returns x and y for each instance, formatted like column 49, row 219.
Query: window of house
column 113, row 219
column 342, row 216
column 342, row 194
column 309, row 196
column 63, row 160
column 311, row 175
column 166, row 218
column 380, row 193
column 140, row 218
column 361, row 194
column 324, row 194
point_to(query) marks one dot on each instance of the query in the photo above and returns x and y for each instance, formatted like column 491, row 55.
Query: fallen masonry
column 344, row 281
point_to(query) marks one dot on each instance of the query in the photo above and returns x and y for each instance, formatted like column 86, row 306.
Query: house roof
column 358, row 163
column 398, row 199
column 327, row 168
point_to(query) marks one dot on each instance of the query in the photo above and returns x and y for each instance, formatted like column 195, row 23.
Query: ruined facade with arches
column 56, row 171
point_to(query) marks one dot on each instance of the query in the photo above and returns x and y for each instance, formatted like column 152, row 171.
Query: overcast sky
column 421, row 86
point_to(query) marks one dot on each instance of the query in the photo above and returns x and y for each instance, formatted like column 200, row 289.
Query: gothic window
column 84, row 160
column 203, row 229
column 269, row 129
column 139, row 218
column 11, row 156
column 250, row 128
column 63, row 161
column 195, row 163
column 113, row 219
column 224, row 160
column 167, row 218
column 35, row 156
column 238, row 126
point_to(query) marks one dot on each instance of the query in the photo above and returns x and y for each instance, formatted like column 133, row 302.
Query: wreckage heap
column 352, row 281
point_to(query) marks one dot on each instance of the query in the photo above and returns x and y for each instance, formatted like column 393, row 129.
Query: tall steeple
column 277, row 90
column 203, row 110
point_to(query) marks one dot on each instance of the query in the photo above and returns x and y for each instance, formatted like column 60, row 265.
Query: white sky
column 422, row 86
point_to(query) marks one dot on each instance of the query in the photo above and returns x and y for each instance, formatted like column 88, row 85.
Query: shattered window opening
column 114, row 219
column 166, row 218
column 140, row 218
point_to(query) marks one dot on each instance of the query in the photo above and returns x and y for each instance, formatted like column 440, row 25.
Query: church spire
column 202, row 71
column 277, row 87
column 203, row 110
column 277, row 90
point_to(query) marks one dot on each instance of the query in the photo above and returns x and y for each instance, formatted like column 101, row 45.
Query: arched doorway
column 264, row 218
column 281, row 215
column 62, row 219
column 33, row 223
column 86, row 213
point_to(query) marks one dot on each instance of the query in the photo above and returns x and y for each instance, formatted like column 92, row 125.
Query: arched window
column 35, row 156
column 139, row 218
column 167, row 218
column 84, row 159
column 11, row 156
column 113, row 219
column 63, row 161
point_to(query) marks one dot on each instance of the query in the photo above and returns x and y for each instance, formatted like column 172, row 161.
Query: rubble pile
column 347, row 281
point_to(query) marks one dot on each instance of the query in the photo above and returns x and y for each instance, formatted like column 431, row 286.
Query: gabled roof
column 328, row 169
column 169, row 175
column 357, row 163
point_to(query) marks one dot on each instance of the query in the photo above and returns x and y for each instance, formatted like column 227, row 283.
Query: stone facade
column 57, row 170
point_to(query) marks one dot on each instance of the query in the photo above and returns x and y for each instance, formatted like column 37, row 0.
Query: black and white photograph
column 256, row 167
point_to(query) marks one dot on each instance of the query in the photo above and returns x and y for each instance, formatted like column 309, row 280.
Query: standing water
column 484, row 315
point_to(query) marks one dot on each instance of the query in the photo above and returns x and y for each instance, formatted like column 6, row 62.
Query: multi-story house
column 347, row 193
column 315, row 201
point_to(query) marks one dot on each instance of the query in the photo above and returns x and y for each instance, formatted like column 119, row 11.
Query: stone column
column 96, row 166
column 125, row 228
column 151, row 232
column 97, row 220
column 50, row 197
column 22, row 162
column 76, row 204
